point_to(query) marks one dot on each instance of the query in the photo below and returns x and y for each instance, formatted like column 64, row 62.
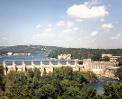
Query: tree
column 62, row 83
column 119, row 73
column 63, row 73
column 16, row 85
column 113, row 90
column 96, row 57
column 106, row 58
column 47, row 91
column 120, row 61
column 88, row 92
column 1, row 85
column 72, row 93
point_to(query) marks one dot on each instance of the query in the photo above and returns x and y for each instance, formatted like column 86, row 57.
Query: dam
column 100, row 68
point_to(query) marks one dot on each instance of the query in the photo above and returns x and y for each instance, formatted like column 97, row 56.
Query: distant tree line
column 83, row 53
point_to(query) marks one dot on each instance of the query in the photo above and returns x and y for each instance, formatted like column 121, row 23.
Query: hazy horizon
column 58, row 46
column 62, row 23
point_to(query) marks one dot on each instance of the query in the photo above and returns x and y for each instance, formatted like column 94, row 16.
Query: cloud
column 67, row 30
column 38, row 26
column 65, row 24
column 62, row 33
column 46, row 31
column 83, row 11
column 4, row 38
column 116, row 37
column 49, row 29
column 49, row 25
column 102, row 20
column 78, row 20
column 94, row 33
column 68, row 33
column 76, row 29
column 107, row 26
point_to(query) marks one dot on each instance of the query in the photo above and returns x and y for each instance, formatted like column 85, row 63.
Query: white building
column 9, row 53
column 64, row 56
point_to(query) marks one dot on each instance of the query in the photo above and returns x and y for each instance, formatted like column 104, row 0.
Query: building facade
column 111, row 57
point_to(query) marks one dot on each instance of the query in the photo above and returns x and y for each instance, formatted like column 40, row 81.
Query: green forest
column 63, row 83
column 84, row 53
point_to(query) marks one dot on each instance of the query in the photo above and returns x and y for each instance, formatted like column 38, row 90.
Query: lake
column 24, row 57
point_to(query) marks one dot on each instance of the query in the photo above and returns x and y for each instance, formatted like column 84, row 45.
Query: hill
column 34, row 49
column 54, row 51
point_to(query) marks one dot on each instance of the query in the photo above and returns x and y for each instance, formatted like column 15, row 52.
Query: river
column 99, row 85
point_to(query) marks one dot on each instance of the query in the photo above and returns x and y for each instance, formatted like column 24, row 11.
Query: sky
column 64, row 23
